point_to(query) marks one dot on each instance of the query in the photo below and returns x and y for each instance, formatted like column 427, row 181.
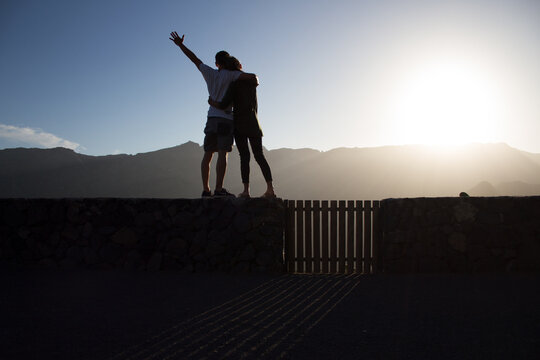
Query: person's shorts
column 218, row 134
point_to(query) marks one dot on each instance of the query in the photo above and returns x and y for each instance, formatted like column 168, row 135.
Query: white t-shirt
column 217, row 82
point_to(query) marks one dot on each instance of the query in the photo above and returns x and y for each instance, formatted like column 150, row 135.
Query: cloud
column 36, row 137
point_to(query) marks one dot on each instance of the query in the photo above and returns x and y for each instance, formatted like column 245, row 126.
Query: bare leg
column 205, row 169
column 221, row 168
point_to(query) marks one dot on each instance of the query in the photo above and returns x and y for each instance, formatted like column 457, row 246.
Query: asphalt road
column 137, row 315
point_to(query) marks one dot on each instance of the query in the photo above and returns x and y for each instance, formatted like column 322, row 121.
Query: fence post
column 367, row 237
column 342, row 236
column 350, row 236
column 380, row 237
column 290, row 236
column 300, row 236
column 308, row 252
column 316, row 237
column 376, row 237
column 333, row 236
column 324, row 240
column 359, row 235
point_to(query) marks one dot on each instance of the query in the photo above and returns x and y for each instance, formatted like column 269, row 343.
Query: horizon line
column 439, row 146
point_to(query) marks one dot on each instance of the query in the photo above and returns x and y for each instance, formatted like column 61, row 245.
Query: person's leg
column 205, row 170
column 243, row 150
column 221, row 168
column 210, row 146
column 224, row 146
column 256, row 147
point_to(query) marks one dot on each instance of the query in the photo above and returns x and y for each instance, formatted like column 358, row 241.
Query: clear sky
column 102, row 77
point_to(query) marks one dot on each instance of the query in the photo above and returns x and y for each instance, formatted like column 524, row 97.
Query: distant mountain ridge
column 343, row 173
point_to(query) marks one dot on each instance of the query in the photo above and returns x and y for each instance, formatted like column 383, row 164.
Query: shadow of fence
column 264, row 323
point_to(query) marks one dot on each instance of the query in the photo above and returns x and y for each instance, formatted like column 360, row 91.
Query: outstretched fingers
column 176, row 38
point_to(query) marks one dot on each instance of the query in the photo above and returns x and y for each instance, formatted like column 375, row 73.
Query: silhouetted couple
column 228, row 86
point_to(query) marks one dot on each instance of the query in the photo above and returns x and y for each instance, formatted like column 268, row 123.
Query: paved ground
column 127, row 315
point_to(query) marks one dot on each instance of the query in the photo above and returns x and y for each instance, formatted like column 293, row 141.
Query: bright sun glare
column 446, row 104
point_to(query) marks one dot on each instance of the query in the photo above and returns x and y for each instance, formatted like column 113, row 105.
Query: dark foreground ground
column 125, row 315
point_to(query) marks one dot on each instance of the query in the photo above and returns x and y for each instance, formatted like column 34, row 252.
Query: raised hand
column 180, row 42
column 177, row 39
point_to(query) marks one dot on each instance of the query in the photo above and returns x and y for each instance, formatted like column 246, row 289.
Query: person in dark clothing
column 243, row 96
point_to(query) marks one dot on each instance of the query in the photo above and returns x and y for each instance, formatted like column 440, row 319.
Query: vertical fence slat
column 324, row 238
column 316, row 238
column 290, row 236
column 350, row 236
column 307, row 234
column 376, row 237
column 342, row 236
column 300, row 236
column 367, row 237
column 333, row 236
column 359, row 235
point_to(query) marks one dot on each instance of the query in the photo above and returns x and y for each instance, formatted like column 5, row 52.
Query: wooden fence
column 332, row 236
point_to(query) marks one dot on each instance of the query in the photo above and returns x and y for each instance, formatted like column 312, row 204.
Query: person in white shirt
column 219, row 124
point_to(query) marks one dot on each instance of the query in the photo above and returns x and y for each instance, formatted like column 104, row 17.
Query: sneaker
column 223, row 192
column 206, row 194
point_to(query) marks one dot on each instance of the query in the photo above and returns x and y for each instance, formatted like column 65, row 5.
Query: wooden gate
column 332, row 236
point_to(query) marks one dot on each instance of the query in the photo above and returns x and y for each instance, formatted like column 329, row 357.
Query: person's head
column 222, row 59
column 234, row 64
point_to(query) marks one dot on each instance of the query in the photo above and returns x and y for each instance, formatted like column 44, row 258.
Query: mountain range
column 342, row 173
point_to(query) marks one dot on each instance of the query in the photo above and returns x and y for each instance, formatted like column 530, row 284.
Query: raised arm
column 180, row 42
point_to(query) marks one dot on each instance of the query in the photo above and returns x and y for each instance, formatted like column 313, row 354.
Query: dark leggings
column 256, row 147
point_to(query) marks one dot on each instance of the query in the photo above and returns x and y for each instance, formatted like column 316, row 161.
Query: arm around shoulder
column 227, row 98
column 216, row 104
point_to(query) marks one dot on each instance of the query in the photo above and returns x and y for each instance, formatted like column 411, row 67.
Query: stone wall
column 216, row 234
column 422, row 235
column 419, row 235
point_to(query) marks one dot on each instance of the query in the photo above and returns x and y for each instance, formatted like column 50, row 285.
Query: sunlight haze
column 446, row 103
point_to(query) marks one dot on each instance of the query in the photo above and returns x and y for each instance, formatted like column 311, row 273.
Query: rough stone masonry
column 217, row 234
column 476, row 234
